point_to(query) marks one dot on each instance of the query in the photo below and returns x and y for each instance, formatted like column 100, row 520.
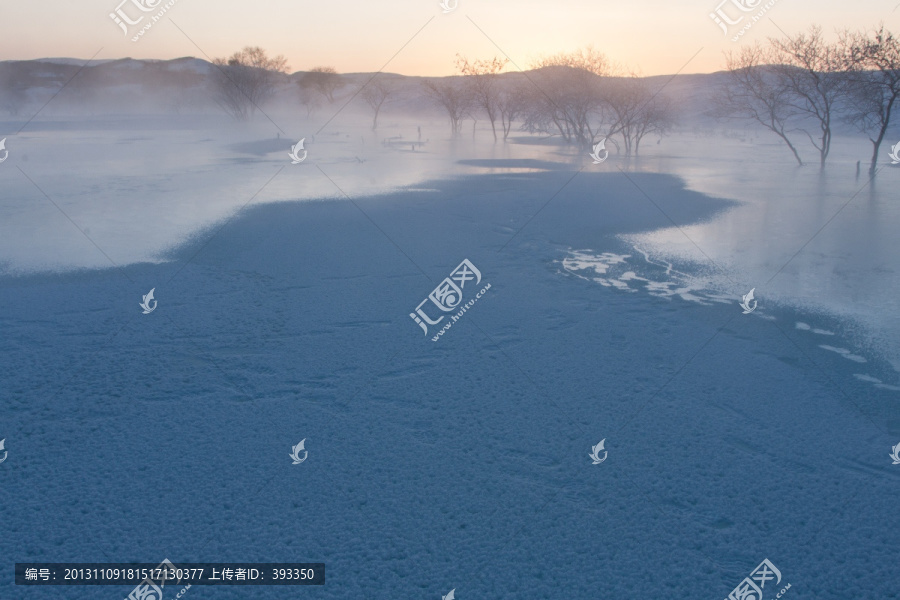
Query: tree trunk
column 791, row 146
column 826, row 144
column 877, row 142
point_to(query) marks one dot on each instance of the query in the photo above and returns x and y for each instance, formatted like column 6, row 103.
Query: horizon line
column 97, row 61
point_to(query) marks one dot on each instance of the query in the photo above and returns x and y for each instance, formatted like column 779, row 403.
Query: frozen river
column 103, row 192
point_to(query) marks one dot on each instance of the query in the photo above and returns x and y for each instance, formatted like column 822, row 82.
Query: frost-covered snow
column 731, row 438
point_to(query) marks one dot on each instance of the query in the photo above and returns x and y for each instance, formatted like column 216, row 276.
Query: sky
column 415, row 37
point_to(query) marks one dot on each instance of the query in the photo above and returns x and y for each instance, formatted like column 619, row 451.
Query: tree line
column 798, row 87
column 801, row 86
column 579, row 96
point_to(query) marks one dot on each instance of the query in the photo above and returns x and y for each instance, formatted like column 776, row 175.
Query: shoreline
column 280, row 330
column 688, row 206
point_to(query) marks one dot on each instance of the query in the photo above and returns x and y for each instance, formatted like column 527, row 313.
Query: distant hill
column 183, row 85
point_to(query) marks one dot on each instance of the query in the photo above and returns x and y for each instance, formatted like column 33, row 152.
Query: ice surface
column 821, row 240
column 463, row 465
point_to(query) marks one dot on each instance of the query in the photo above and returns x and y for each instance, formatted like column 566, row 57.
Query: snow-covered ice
column 283, row 314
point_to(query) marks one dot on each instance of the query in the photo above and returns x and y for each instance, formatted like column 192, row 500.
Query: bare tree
column 874, row 62
column 454, row 98
column 309, row 98
column 656, row 115
column 481, row 77
column 376, row 94
column 510, row 105
column 324, row 80
column 814, row 73
column 753, row 91
column 246, row 80
column 635, row 110
column 567, row 96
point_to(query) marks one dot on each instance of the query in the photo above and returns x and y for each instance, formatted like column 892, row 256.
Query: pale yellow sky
column 651, row 36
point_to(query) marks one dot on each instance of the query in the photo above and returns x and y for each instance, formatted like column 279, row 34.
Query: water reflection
column 820, row 240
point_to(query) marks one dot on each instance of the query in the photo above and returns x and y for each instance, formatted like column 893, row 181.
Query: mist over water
column 186, row 299
column 820, row 240
column 140, row 186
